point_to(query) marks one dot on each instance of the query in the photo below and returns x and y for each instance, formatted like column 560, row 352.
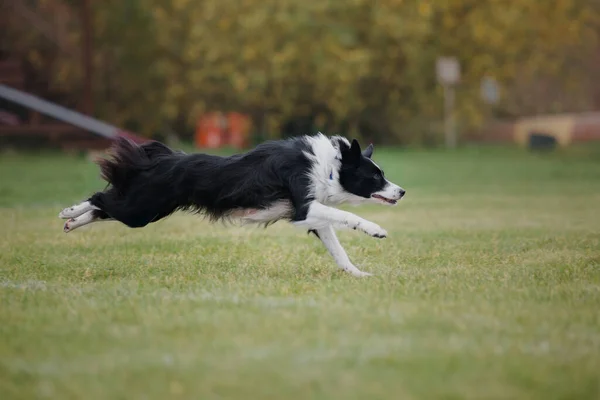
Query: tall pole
column 448, row 74
column 86, row 53
column 449, row 123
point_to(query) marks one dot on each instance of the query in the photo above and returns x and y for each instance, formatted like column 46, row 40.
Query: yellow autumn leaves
column 370, row 64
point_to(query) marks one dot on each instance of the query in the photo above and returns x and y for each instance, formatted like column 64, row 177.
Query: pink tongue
column 383, row 198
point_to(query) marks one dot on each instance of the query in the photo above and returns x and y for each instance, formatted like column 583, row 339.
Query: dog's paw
column 352, row 270
column 76, row 210
column 65, row 212
column 68, row 225
column 372, row 229
column 69, row 212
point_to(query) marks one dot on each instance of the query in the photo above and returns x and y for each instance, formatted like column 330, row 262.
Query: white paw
column 68, row 225
column 352, row 270
column 64, row 213
column 76, row 210
column 69, row 212
column 372, row 229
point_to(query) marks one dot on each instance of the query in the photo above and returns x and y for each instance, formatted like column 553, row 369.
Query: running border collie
column 298, row 179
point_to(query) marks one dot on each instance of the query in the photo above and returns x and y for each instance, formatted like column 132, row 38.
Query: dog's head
column 360, row 176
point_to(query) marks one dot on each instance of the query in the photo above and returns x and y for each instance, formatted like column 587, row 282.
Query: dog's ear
column 355, row 152
column 355, row 148
column 352, row 155
column 368, row 152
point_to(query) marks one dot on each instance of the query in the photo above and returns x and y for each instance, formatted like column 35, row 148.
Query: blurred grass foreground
column 487, row 287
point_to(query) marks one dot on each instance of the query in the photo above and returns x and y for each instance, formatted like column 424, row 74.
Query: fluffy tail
column 128, row 159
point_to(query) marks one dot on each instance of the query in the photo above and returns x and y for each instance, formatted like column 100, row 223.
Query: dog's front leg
column 319, row 216
column 331, row 242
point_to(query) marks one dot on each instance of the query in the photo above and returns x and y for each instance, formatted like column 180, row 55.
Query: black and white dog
column 297, row 179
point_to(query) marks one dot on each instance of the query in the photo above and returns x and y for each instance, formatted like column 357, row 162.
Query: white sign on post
column 448, row 70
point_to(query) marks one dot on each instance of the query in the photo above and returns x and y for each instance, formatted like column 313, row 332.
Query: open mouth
column 384, row 199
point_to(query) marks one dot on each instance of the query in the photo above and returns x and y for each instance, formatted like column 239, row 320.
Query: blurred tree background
column 359, row 67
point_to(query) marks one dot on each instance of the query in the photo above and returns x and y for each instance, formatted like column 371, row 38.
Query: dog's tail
column 129, row 158
column 156, row 149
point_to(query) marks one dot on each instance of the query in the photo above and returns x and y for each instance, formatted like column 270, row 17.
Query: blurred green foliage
column 358, row 66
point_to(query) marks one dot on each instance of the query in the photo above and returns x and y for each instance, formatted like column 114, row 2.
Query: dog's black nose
column 402, row 193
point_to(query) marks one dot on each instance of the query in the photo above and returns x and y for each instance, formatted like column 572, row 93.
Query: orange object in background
column 215, row 130
column 238, row 126
column 210, row 131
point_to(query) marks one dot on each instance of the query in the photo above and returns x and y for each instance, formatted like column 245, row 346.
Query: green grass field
column 488, row 286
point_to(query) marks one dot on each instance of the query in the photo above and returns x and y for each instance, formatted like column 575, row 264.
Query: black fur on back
column 150, row 181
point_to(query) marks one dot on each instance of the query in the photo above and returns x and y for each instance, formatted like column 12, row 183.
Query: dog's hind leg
column 135, row 212
column 77, row 210
column 331, row 242
column 84, row 219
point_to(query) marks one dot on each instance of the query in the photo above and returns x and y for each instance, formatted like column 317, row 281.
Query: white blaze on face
column 390, row 194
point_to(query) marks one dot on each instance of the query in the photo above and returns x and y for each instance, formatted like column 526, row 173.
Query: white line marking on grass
column 35, row 285
column 93, row 364
column 265, row 301
column 29, row 284
column 132, row 360
column 194, row 295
